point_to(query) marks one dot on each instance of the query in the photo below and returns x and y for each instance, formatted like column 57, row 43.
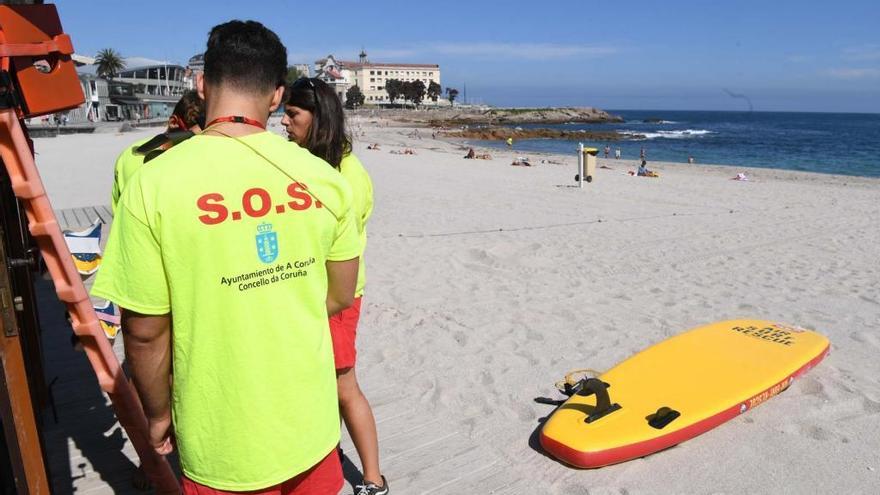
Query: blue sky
column 679, row 55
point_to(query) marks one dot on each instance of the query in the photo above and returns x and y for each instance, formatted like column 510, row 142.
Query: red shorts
column 324, row 478
column 343, row 330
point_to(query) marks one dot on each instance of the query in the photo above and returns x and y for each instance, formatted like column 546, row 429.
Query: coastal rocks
column 513, row 116
column 503, row 133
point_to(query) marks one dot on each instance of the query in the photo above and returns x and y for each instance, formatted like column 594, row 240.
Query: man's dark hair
column 246, row 55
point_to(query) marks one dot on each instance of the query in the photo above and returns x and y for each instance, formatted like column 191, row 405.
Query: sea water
column 835, row 143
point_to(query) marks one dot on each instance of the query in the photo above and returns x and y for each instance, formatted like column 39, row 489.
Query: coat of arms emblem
column 267, row 243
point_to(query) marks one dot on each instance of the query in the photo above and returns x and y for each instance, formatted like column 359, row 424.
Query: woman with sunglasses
column 314, row 119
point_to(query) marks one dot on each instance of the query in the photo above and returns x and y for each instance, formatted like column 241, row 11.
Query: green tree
column 434, row 91
column 109, row 63
column 394, row 89
column 415, row 91
column 293, row 74
column 354, row 97
column 451, row 94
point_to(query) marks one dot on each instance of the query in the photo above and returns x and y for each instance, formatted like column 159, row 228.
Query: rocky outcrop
column 503, row 133
column 513, row 116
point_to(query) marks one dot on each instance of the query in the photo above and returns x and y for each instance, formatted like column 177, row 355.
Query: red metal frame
column 22, row 33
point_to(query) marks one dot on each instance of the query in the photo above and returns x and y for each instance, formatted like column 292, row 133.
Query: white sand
column 487, row 282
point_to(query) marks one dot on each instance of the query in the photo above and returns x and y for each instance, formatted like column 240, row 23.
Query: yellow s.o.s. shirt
column 362, row 190
column 235, row 250
column 127, row 163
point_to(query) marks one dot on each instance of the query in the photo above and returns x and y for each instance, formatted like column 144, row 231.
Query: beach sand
column 487, row 283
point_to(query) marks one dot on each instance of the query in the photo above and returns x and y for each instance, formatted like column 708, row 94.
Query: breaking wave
column 683, row 134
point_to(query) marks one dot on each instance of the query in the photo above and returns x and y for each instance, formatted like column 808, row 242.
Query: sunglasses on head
column 307, row 82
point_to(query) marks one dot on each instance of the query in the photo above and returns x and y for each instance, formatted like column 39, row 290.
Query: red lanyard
column 238, row 119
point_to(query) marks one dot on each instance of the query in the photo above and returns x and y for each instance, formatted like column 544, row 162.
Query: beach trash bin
column 590, row 163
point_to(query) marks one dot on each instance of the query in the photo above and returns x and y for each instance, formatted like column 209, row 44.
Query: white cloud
column 854, row 73
column 863, row 52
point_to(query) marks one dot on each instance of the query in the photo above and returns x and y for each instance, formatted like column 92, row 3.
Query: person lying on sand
column 374, row 146
column 406, row 151
column 521, row 162
column 740, row 176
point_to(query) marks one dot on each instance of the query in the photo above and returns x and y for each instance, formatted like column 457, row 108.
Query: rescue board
column 678, row 389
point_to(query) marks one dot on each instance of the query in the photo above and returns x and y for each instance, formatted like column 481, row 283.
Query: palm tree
column 109, row 63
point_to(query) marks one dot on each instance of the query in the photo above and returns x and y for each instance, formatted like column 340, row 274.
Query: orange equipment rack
column 29, row 34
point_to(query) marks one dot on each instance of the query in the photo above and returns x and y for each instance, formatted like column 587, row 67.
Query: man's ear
column 277, row 96
column 200, row 85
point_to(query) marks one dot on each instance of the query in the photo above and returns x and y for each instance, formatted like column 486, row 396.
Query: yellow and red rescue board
column 678, row 389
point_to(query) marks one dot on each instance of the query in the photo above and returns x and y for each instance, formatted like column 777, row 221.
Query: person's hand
column 160, row 434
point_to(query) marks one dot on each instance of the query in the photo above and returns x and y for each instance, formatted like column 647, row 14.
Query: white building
column 143, row 89
column 370, row 77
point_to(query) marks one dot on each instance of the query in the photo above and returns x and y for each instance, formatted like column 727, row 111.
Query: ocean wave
column 650, row 122
column 682, row 134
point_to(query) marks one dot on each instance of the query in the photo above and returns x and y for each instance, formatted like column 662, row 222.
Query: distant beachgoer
column 510, row 142
column 617, row 154
column 326, row 138
column 643, row 170
column 470, row 153
column 607, row 150
column 642, row 154
column 691, row 159
column 521, row 162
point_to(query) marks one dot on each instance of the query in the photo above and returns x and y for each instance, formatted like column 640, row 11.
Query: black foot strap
column 594, row 386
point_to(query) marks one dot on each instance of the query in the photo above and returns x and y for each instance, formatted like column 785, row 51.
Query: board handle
column 604, row 406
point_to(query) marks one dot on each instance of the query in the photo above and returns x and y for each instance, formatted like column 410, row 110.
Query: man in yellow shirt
column 246, row 243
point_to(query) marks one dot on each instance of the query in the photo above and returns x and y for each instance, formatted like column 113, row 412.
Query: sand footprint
column 865, row 338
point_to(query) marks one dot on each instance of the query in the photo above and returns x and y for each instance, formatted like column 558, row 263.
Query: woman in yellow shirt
column 314, row 119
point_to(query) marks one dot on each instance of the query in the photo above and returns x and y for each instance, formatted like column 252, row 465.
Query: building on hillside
column 370, row 77
column 335, row 74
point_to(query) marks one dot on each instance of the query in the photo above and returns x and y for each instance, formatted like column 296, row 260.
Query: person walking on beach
column 607, row 151
column 314, row 119
column 617, row 154
column 642, row 154
column 510, row 142
column 245, row 244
